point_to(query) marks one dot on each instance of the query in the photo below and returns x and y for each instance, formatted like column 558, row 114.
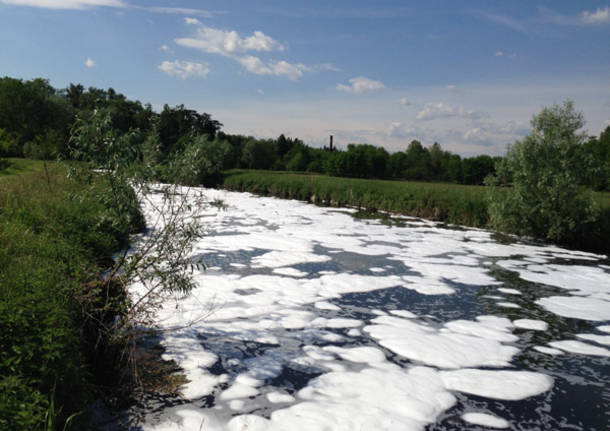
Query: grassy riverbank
column 451, row 203
column 56, row 236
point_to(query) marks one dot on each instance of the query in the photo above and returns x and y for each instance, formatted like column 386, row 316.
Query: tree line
column 36, row 121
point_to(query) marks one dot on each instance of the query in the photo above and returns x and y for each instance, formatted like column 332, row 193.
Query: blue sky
column 468, row 74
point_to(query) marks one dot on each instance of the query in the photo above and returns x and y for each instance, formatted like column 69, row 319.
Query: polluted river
column 313, row 318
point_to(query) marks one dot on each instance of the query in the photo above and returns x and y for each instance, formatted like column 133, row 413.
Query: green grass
column 56, row 236
column 452, row 203
column 18, row 166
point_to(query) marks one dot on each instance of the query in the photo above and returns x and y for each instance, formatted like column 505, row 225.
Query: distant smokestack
column 331, row 143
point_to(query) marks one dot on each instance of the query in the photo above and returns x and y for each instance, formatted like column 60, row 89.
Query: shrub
column 545, row 199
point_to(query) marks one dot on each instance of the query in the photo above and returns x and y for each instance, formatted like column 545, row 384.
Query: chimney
column 331, row 143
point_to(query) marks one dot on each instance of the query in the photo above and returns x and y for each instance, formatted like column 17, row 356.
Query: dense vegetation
column 447, row 202
column 57, row 236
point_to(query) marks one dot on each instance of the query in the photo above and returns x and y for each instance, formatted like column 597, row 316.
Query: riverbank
column 56, row 349
column 446, row 202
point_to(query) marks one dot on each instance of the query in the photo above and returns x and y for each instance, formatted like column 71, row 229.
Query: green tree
column 545, row 200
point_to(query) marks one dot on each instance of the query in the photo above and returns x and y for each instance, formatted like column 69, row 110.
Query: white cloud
column 499, row 54
column 254, row 65
column 327, row 66
column 279, row 68
column 227, row 43
column 292, row 71
column 192, row 21
column 89, row 63
column 259, row 91
column 597, row 17
column 405, row 102
column 184, row 69
column 164, row 48
column 451, row 87
column 433, row 111
column 66, row 4
column 360, row 85
column 87, row 4
column 472, row 133
column 179, row 10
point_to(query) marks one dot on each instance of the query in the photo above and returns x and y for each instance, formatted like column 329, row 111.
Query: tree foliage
column 545, row 198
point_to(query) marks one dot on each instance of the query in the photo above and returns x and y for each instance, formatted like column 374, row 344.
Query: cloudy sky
column 469, row 75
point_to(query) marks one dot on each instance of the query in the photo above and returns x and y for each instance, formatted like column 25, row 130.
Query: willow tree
column 537, row 190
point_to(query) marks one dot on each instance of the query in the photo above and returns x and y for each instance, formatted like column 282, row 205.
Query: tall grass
column 451, row 203
column 56, row 237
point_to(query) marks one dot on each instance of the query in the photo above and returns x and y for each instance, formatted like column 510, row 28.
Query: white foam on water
column 322, row 322
column 325, row 305
column 577, row 307
column 509, row 291
column 599, row 339
column 364, row 354
column 354, row 332
column 574, row 346
column 548, row 350
column 532, row 324
column 194, row 361
column 291, row 272
column 508, row 304
column 359, row 387
column 279, row 258
column 500, row 385
column 403, row 313
column 604, row 328
column 279, row 397
column 444, row 347
column 485, row 419
column 374, row 398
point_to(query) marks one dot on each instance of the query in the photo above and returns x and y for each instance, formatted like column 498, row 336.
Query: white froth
column 548, row 350
column 508, row 304
column 364, row 354
column 278, row 397
column 599, row 339
column 374, row 398
column 577, row 307
column 604, row 328
column 500, row 385
column 509, row 291
column 534, row 325
column 443, row 347
column 321, row 322
column 574, row 346
column 325, row 305
column 291, row 272
column 485, row 420
column 276, row 259
column 404, row 313
column 363, row 390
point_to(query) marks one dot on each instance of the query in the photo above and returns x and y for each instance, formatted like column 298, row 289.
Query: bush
column 545, row 199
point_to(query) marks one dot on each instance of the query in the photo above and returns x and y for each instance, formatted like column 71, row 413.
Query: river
column 312, row 318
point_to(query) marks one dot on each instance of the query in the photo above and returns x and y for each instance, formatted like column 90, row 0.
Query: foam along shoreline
column 272, row 290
